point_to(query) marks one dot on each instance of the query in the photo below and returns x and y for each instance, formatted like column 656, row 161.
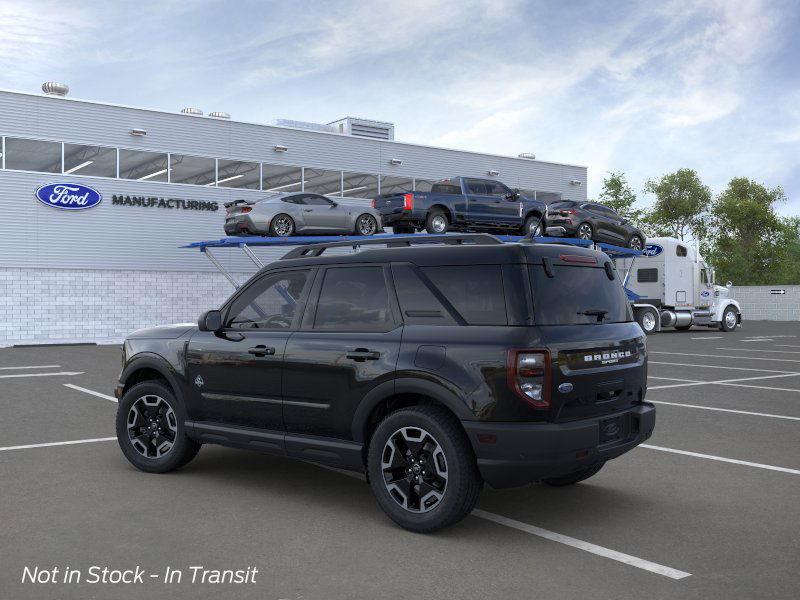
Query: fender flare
column 724, row 306
column 156, row 362
column 406, row 385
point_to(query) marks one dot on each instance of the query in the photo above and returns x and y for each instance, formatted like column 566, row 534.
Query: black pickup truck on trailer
column 463, row 204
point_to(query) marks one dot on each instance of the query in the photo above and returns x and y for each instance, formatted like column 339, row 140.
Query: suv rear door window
column 565, row 298
column 354, row 299
column 475, row 291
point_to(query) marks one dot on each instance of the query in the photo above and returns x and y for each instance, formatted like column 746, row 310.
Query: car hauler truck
column 670, row 285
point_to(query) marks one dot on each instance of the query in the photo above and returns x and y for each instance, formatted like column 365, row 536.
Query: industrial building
column 162, row 178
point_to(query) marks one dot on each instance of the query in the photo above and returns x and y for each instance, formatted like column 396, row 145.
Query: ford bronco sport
column 432, row 367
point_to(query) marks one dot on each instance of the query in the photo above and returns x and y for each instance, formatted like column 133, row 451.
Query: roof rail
column 480, row 239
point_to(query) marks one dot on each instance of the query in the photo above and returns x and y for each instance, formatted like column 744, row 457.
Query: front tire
column 150, row 428
column 437, row 222
column 281, row 226
column 647, row 321
column 575, row 477
column 729, row 320
column 366, row 225
column 422, row 469
column 534, row 227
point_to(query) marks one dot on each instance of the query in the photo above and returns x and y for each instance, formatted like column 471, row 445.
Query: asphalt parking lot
column 708, row 509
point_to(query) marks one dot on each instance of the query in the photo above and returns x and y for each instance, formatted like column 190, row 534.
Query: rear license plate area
column 613, row 430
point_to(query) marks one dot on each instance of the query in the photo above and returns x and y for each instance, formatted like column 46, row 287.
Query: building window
column 96, row 161
column 144, row 166
column 237, row 174
column 396, row 185
column 33, row 155
column 321, row 181
column 423, row 185
column 280, row 178
column 359, row 185
column 194, row 170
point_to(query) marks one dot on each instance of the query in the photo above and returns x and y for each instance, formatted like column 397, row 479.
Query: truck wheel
column 729, row 320
column 422, row 469
column 647, row 320
column 150, row 428
column 436, row 222
column 281, row 226
column 574, row 477
column 534, row 227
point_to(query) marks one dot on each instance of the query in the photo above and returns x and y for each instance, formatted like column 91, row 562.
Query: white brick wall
column 46, row 306
column 759, row 304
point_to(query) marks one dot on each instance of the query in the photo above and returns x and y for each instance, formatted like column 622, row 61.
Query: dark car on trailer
column 432, row 368
column 594, row 221
column 463, row 204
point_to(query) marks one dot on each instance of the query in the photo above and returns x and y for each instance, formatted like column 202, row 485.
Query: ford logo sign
column 652, row 250
column 565, row 388
column 68, row 196
column 705, row 294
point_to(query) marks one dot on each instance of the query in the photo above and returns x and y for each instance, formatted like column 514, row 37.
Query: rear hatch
column 597, row 351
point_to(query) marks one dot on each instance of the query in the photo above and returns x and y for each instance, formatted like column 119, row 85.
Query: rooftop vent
column 192, row 111
column 303, row 125
column 377, row 130
column 51, row 88
column 219, row 115
column 527, row 155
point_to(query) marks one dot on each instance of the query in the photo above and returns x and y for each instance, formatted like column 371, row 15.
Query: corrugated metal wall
column 123, row 237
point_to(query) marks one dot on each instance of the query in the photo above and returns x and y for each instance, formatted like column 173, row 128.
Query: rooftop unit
column 376, row 130
column 303, row 125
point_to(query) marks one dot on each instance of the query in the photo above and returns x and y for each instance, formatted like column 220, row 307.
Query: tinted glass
column 475, row 186
column 144, row 166
column 90, row 160
column 475, row 291
column 195, row 170
column 281, row 178
column 270, row 303
column 354, row 299
column 316, row 200
column 562, row 299
column 647, row 275
column 495, row 188
column 447, row 186
column 33, row 155
column 417, row 303
column 681, row 251
column 238, row 174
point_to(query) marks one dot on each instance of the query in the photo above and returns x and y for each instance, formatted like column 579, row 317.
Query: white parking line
column 721, row 381
column 676, row 379
column 48, row 444
column 41, row 374
column 758, row 340
column 557, row 537
column 92, row 392
column 31, row 367
column 581, row 545
column 758, row 350
column 721, row 459
column 726, row 356
column 728, row 410
column 656, row 362
column 708, row 337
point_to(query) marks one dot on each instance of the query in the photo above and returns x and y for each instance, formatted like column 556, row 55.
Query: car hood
column 163, row 332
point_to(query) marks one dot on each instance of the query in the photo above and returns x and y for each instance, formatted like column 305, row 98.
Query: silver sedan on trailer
column 299, row 213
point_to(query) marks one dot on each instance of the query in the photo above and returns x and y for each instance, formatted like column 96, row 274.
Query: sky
column 639, row 87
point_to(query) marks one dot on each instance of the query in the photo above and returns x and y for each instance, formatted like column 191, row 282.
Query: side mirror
column 334, row 204
column 729, row 285
column 211, row 320
column 511, row 196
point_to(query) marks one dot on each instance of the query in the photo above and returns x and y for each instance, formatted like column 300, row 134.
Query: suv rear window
column 573, row 290
column 475, row 291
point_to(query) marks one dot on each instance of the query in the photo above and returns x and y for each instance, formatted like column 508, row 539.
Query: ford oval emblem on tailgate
column 565, row 388
column 68, row 196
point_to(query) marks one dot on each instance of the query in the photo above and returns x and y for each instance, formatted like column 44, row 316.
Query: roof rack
column 312, row 250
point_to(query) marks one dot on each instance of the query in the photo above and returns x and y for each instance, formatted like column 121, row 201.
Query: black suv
column 433, row 368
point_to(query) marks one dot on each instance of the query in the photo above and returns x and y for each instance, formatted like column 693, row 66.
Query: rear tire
column 534, row 226
column 282, row 225
column 366, row 225
column 437, row 222
column 729, row 321
column 149, row 412
column 427, row 484
column 575, row 477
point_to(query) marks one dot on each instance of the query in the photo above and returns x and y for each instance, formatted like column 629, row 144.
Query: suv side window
column 475, row 291
column 418, row 303
column 270, row 303
column 354, row 299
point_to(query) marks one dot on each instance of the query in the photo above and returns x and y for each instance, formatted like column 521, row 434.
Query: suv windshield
column 577, row 295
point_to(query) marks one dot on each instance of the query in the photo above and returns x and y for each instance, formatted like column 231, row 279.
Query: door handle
column 362, row 354
column 261, row 351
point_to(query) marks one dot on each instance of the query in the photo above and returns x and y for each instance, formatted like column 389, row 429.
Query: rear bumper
column 398, row 215
column 244, row 225
column 526, row 452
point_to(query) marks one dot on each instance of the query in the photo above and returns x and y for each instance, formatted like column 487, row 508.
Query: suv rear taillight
column 528, row 374
column 408, row 201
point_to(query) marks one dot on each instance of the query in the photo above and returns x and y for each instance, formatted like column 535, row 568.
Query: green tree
column 617, row 194
column 749, row 243
column 681, row 205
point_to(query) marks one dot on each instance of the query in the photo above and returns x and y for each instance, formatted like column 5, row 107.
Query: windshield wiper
column 600, row 313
